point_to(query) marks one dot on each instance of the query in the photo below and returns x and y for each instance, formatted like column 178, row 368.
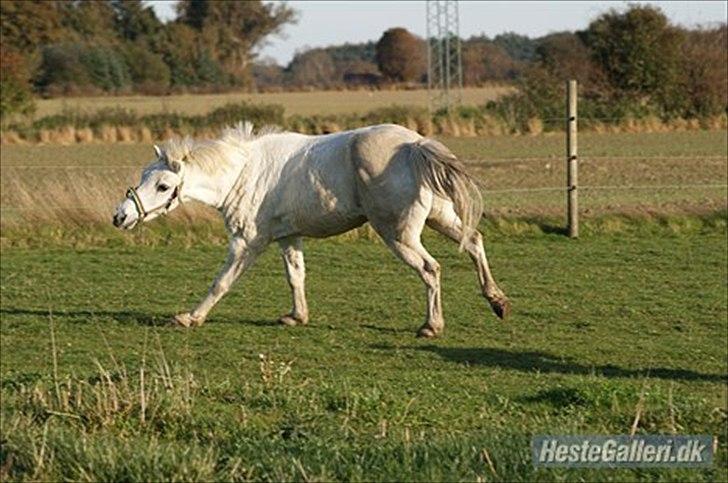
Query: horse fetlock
column 501, row 306
column 187, row 319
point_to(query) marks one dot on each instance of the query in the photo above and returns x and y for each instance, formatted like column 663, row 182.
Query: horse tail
column 438, row 168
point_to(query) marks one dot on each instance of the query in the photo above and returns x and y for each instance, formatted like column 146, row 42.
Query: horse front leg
column 241, row 256
column 292, row 251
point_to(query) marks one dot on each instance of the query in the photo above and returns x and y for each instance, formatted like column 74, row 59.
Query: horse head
column 158, row 193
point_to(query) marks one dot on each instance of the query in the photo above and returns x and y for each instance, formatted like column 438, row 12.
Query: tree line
column 632, row 62
column 54, row 47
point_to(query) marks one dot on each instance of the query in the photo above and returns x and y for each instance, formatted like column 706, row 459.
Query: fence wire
column 505, row 161
column 469, row 162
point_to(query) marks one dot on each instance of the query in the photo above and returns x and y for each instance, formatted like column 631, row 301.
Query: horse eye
column 162, row 188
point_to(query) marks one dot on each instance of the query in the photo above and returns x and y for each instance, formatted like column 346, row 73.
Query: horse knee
column 431, row 272
column 432, row 267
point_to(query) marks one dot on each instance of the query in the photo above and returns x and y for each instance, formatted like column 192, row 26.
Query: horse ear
column 175, row 165
column 160, row 154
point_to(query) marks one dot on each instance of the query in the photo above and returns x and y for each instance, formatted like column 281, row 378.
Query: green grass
column 599, row 324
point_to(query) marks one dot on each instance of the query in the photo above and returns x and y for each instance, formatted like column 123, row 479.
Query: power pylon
column 444, row 63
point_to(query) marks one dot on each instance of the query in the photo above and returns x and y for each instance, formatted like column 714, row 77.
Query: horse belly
column 322, row 203
column 328, row 214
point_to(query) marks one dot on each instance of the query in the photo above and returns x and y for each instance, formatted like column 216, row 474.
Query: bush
column 230, row 114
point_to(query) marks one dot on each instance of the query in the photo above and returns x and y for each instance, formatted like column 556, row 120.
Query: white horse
column 282, row 186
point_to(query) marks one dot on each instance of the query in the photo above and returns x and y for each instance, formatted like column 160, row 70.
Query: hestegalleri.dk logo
column 623, row 451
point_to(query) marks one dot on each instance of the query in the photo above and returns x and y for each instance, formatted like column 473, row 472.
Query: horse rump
column 437, row 168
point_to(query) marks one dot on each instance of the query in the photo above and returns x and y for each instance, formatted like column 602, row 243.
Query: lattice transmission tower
column 444, row 63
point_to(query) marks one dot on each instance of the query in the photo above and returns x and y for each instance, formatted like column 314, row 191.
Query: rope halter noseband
column 132, row 194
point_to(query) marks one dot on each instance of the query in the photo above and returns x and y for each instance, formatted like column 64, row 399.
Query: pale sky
column 323, row 23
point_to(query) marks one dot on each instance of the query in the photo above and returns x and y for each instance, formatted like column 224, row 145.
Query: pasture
column 302, row 103
column 622, row 330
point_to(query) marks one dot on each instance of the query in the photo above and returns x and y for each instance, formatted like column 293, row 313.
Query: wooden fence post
column 572, row 200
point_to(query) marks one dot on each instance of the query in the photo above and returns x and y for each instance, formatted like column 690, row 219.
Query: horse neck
column 211, row 189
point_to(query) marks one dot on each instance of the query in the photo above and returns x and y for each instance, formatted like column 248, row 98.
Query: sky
column 323, row 23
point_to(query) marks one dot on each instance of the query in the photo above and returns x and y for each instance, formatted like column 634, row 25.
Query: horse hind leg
column 407, row 246
column 444, row 220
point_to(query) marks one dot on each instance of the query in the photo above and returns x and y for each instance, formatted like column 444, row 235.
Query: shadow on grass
column 547, row 226
column 129, row 317
column 533, row 361
column 122, row 316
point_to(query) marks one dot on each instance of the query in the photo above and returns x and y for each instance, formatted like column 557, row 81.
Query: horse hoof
column 427, row 332
column 501, row 307
column 186, row 320
column 289, row 320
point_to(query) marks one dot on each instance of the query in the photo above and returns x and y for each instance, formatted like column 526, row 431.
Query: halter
column 131, row 194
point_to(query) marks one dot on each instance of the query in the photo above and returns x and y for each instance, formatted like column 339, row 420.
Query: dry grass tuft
column 145, row 135
column 534, row 127
column 11, row 137
column 108, row 134
column 125, row 134
column 84, row 135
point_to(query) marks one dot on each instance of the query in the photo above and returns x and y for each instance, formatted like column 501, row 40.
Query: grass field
column 600, row 327
column 628, row 323
column 303, row 103
column 43, row 183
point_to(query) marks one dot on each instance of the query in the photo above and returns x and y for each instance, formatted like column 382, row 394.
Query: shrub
column 230, row 114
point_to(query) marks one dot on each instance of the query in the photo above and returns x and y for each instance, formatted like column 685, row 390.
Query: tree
column 638, row 49
column 401, row 55
column 312, row 68
column 233, row 30
column 518, row 47
column 484, row 61
column 15, row 95
column 267, row 73
column 134, row 21
column 149, row 73
column 27, row 25
column 565, row 56
column 704, row 72
column 179, row 47
column 89, row 21
column 79, row 67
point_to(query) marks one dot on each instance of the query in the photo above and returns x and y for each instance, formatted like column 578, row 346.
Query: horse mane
column 212, row 155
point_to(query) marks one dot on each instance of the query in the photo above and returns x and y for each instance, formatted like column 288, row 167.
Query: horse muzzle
column 124, row 218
